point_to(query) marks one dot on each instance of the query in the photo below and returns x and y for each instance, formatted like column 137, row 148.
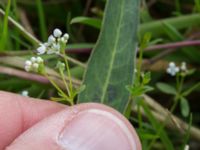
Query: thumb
column 80, row 127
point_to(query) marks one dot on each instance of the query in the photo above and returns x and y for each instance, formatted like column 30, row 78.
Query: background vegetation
column 174, row 28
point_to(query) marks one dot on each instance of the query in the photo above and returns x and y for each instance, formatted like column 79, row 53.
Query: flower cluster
column 33, row 64
column 173, row 69
column 54, row 43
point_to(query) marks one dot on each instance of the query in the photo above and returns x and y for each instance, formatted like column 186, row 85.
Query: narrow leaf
column 111, row 64
column 94, row 22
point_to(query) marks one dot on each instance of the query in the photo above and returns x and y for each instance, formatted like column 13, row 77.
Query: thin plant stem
column 68, row 72
column 55, row 85
column 65, row 83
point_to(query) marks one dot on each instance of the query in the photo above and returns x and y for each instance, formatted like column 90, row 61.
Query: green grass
column 4, row 31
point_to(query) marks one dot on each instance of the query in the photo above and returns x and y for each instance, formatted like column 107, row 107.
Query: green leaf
column 4, row 34
column 146, row 78
column 138, row 91
column 166, row 88
column 94, row 22
column 111, row 64
column 185, row 108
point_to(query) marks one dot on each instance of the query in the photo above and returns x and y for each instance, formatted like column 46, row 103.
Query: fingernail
column 96, row 129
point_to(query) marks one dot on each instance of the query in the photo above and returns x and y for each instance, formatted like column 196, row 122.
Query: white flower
column 54, row 43
column 56, row 48
column 186, row 147
column 33, row 64
column 27, row 68
column 183, row 66
column 57, row 33
column 42, row 49
column 51, row 39
column 33, row 59
column 28, row 63
column 66, row 36
column 24, row 93
column 39, row 60
column 62, row 39
column 172, row 69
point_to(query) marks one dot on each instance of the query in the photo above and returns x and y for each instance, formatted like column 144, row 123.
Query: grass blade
column 5, row 27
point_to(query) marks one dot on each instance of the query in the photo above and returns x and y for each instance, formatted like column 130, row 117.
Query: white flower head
column 172, row 69
column 56, row 47
column 33, row 64
column 57, row 33
column 25, row 93
column 27, row 68
column 39, row 60
column 66, row 36
column 33, row 59
column 28, row 63
column 183, row 66
column 42, row 49
column 51, row 39
column 54, row 43
column 186, row 147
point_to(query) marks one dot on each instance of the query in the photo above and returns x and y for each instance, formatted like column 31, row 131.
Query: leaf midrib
column 113, row 55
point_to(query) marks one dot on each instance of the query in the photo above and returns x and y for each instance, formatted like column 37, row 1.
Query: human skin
column 29, row 124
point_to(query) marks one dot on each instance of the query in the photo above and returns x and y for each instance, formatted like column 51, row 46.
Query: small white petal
column 172, row 64
column 63, row 40
column 183, row 66
column 41, row 49
column 177, row 69
column 56, row 48
column 33, row 59
column 57, row 32
column 28, row 63
column 27, row 68
column 51, row 39
column 168, row 70
column 35, row 65
column 47, row 44
column 66, row 36
column 50, row 51
column 39, row 60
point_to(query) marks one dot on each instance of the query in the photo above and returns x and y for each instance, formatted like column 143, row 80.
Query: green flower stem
column 139, row 64
column 64, row 80
column 55, row 85
column 68, row 72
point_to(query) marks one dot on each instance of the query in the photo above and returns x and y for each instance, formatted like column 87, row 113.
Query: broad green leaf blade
column 111, row 64
column 166, row 88
column 94, row 22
